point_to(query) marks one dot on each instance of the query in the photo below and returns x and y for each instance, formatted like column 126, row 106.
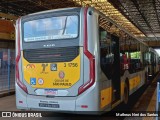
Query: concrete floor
column 8, row 103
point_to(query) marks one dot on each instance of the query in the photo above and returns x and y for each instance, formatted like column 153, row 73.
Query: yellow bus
column 77, row 59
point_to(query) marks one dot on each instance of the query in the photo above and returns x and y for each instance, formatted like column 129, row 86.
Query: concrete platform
column 8, row 103
column 6, row 93
column 151, row 106
column 147, row 102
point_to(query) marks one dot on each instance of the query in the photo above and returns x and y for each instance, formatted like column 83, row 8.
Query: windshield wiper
column 65, row 25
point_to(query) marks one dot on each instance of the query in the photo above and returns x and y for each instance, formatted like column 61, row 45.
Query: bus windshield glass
column 62, row 27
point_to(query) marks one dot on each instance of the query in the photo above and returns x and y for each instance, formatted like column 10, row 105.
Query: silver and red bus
column 77, row 59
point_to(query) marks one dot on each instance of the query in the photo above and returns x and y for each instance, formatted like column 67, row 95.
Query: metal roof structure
column 139, row 17
column 23, row 7
column 144, row 14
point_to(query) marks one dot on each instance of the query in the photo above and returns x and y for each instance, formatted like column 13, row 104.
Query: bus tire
column 126, row 93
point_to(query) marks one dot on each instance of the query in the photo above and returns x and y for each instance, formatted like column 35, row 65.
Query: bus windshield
column 62, row 27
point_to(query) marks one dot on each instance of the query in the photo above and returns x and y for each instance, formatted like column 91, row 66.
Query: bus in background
column 71, row 60
column 137, row 57
column 153, row 62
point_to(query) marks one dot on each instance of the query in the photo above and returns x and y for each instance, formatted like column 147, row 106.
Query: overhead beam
column 154, row 44
column 7, row 30
column 7, row 36
column 6, row 26
column 8, row 16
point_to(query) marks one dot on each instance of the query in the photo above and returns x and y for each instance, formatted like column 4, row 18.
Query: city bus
column 153, row 63
column 77, row 59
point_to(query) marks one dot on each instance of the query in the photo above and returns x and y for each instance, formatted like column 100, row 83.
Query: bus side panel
column 89, row 98
column 21, row 98
column 104, row 86
column 122, row 88
column 136, row 80
column 106, row 97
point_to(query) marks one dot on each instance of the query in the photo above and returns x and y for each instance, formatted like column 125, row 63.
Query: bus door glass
column 110, row 60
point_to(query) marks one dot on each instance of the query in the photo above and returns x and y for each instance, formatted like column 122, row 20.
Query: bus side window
column 106, row 57
column 125, row 61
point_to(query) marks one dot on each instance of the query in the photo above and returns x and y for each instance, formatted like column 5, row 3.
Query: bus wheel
column 126, row 93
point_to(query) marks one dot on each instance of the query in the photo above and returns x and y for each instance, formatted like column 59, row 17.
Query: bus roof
column 53, row 10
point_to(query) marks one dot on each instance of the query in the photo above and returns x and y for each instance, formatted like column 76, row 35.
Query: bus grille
column 48, row 55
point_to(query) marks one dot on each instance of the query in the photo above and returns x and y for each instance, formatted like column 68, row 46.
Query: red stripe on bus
column 20, row 84
column 91, row 58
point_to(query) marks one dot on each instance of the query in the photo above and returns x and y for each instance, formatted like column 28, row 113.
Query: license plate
column 49, row 105
column 50, row 92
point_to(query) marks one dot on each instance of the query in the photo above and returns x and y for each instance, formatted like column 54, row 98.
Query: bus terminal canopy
column 139, row 17
column 21, row 8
